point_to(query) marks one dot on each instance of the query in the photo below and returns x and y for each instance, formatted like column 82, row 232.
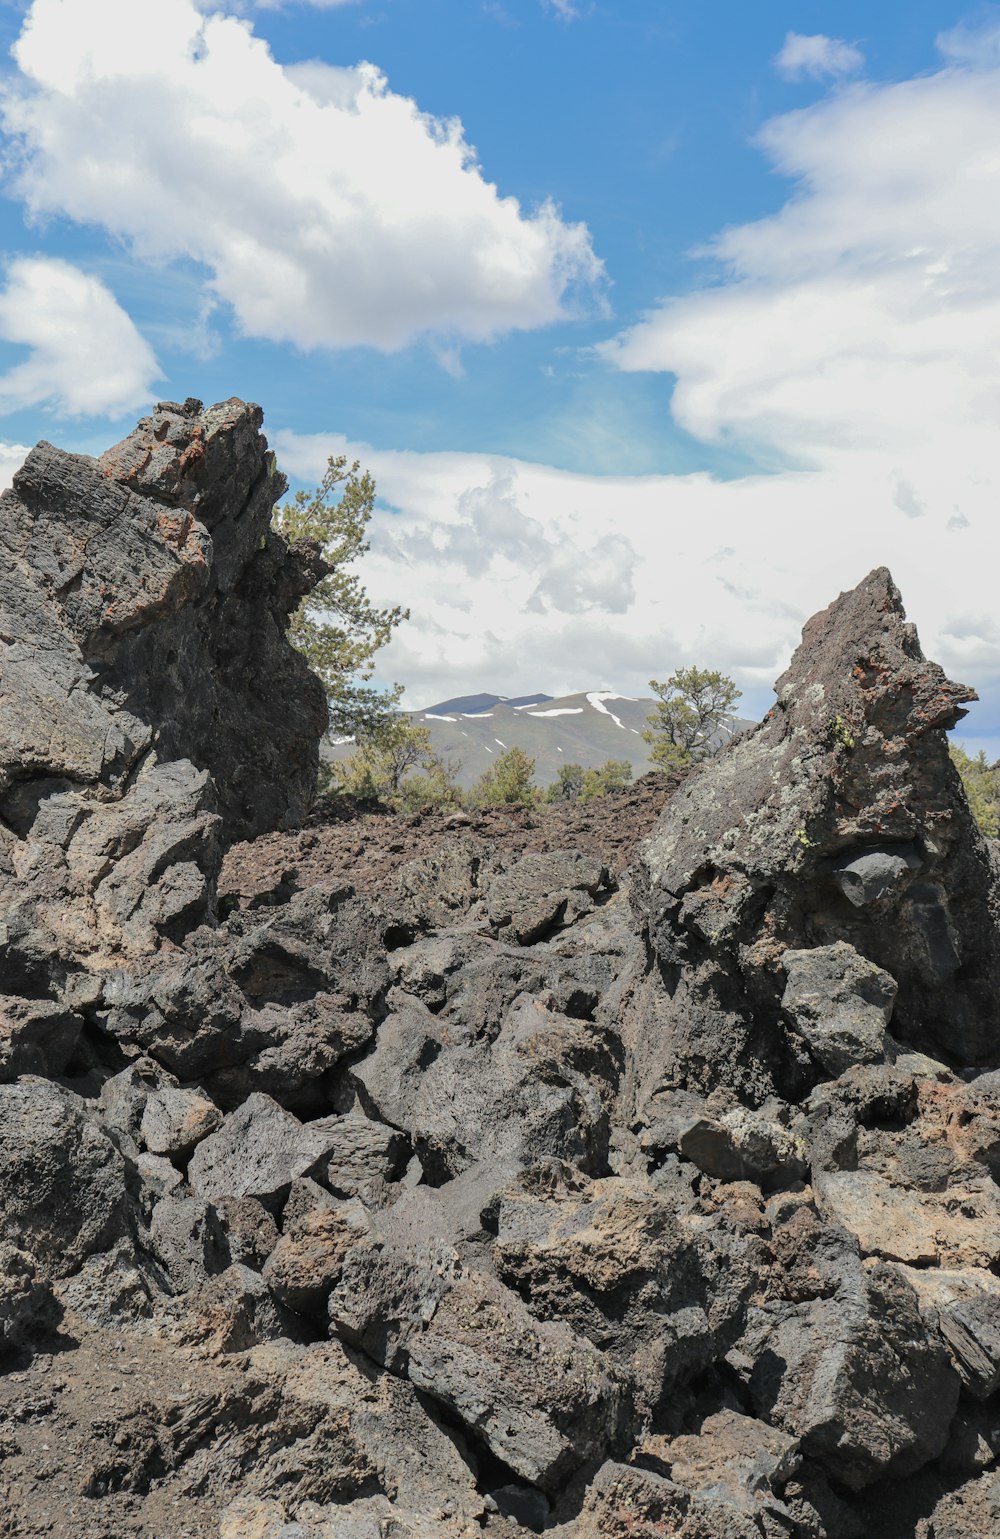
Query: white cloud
column 328, row 210
column 681, row 569
column 493, row 539
column 856, row 333
column 85, row 356
column 863, row 317
column 976, row 46
column 817, row 57
column 852, row 343
column 12, row 457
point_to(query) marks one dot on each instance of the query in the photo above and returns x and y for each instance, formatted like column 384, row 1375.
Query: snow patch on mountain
column 597, row 698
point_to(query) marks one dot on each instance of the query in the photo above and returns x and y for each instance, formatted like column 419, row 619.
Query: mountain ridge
column 588, row 728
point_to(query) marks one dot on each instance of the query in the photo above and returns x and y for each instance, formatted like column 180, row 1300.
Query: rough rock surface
column 840, row 819
column 144, row 598
column 840, row 1004
column 473, row 1174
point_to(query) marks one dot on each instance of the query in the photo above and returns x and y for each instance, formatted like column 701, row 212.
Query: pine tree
column 337, row 628
column 694, row 706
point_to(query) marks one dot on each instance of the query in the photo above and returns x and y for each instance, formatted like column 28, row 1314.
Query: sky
column 659, row 324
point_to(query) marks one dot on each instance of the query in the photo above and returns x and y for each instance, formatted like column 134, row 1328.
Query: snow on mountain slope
column 573, row 729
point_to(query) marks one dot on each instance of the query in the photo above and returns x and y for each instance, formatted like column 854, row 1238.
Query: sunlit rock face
column 838, row 820
column 144, row 603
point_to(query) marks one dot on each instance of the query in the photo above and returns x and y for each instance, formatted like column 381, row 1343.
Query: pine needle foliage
column 395, row 764
column 510, row 781
column 337, row 628
column 694, row 705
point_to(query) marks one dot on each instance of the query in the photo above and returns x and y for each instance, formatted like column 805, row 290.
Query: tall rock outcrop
column 151, row 706
column 143, row 602
column 838, row 822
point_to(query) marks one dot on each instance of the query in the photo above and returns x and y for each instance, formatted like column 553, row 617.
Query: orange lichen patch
column 872, row 673
column 193, row 454
column 966, row 1119
column 115, row 468
column 943, row 708
column 174, row 527
column 178, row 529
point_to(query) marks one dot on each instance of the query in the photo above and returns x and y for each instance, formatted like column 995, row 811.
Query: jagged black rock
column 514, row 1191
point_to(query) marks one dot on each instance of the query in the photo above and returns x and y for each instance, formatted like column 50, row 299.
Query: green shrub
column 510, row 781
column 567, row 785
column 613, row 776
column 395, row 764
column 982, row 788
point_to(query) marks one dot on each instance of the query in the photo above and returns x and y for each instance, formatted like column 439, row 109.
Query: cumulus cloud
column 84, row 354
column 12, row 457
column 670, row 569
column 864, row 316
column 817, row 57
column 856, row 333
column 851, row 343
column 328, row 210
column 494, row 541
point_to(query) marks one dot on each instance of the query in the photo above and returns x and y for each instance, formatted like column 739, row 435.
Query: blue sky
column 733, row 344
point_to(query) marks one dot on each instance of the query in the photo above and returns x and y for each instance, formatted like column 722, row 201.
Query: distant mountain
column 465, row 704
column 587, row 728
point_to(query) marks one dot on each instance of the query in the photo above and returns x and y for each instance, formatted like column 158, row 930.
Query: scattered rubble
column 481, row 1175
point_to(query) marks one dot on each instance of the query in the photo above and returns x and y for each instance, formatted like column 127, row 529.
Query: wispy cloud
column 817, row 57
column 568, row 10
column 498, row 13
column 974, row 44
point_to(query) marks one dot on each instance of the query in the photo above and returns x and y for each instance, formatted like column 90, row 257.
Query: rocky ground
column 368, row 848
column 625, row 1170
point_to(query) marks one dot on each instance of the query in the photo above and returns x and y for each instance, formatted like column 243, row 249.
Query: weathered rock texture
column 840, row 820
column 444, row 1176
column 144, row 601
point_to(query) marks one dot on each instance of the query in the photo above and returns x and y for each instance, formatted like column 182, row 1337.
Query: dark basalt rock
column 150, row 705
column 840, row 819
column 61, row 1177
column 474, row 1185
column 146, row 597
